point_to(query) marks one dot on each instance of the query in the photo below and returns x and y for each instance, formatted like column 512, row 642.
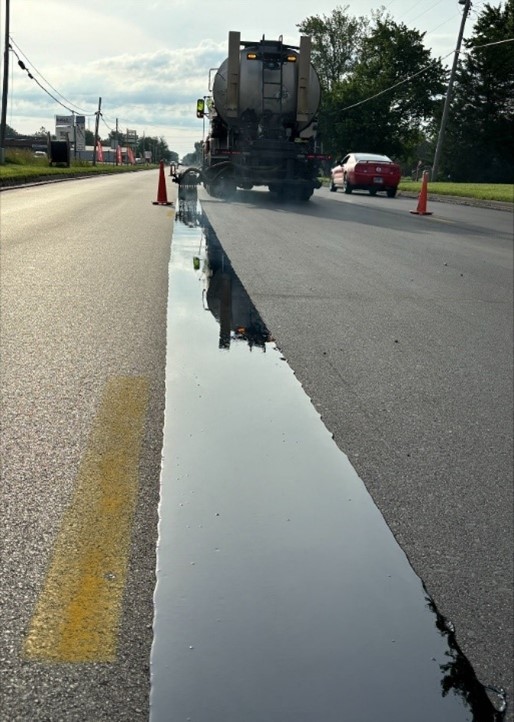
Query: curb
column 463, row 201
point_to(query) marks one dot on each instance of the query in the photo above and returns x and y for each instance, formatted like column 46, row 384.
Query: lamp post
column 440, row 140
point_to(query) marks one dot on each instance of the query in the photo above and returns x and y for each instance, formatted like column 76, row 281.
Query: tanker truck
column 262, row 120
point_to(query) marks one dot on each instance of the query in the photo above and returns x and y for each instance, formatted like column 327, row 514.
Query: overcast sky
column 149, row 60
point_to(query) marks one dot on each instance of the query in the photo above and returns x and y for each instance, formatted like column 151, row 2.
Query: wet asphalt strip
column 282, row 595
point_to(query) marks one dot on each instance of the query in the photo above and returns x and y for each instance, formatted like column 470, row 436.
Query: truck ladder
column 272, row 81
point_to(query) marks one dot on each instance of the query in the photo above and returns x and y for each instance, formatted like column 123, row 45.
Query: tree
column 479, row 144
column 336, row 44
column 195, row 158
column 10, row 132
column 388, row 100
column 158, row 148
column 116, row 137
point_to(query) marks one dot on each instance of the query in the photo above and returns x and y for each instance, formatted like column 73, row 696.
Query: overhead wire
column 23, row 66
column 412, row 8
column 71, row 107
column 416, row 17
column 445, row 22
column 412, row 20
column 106, row 124
column 487, row 45
column 411, row 77
column 396, row 85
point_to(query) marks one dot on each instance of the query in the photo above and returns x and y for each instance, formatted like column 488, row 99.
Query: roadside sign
column 64, row 132
column 63, row 120
column 80, row 137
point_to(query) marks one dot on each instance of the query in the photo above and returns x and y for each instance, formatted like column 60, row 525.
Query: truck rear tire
column 223, row 187
column 304, row 194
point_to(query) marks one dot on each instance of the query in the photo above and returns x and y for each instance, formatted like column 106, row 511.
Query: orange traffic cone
column 421, row 210
column 162, row 197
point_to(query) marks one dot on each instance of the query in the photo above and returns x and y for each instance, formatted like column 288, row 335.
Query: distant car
column 40, row 154
column 366, row 171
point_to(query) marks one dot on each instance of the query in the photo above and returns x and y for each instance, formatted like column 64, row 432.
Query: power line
column 445, row 22
column 105, row 123
column 75, row 108
column 413, row 20
column 23, row 66
column 79, row 110
column 406, row 12
column 487, row 45
column 396, row 85
column 411, row 77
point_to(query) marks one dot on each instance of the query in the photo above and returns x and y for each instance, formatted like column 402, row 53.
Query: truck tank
column 268, row 87
column 262, row 114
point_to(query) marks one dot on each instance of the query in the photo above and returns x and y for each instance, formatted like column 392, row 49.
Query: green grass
column 480, row 191
column 17, row 156
column 22, row 167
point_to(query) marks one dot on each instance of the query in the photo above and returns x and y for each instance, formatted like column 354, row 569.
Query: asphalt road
column 84, row 277
column 399, row 328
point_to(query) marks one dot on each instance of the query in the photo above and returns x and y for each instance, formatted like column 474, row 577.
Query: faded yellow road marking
column 77, row 615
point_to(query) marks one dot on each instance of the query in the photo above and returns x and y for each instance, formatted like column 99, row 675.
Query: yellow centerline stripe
column 77, row 614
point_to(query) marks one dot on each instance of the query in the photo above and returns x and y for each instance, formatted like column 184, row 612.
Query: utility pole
column 117, row 142
column 74, row 135
column 5, row 87
column 97, row 122
column 440, row 140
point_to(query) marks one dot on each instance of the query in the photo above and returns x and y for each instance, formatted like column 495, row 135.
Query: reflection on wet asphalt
column 282, row 595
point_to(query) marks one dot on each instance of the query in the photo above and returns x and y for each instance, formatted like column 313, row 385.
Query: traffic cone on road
column 162, row 197
column 421, row 210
